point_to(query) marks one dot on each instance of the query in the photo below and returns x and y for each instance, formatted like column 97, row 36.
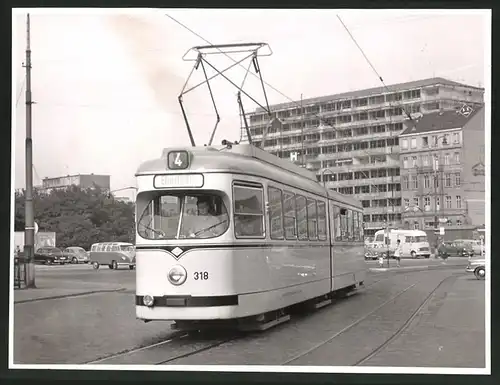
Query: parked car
column 76, row 255
column 453, row 249
column 474, row 243
column 50, row 255
column 477, row 266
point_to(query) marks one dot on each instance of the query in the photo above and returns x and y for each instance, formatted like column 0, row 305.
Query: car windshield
column 77, row 250
column 182, row 215
column 421, row 238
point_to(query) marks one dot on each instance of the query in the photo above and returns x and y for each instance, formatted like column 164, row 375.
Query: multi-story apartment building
column 351, row 139
column 82, row 180
column 442, row 171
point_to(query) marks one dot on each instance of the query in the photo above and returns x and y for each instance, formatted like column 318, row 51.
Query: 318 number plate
column 200, row 275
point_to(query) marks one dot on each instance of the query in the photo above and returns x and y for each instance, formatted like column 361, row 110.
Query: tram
column 232, row 235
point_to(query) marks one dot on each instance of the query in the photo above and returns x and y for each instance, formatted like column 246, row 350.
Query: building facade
column 442, row 171
column 81, row 180
column 351, row 140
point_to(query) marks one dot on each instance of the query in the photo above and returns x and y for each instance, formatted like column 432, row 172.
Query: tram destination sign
column 178, row 181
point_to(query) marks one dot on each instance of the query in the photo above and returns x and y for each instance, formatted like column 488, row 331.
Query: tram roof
column 244, row 159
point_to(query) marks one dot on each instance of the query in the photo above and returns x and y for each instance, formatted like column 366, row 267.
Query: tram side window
column 337, row 220
column 275, row 213
column 321, row 221
column 301, row 205
column 312, row 219
column 355, row 225
column 248, row 211
column 290, row 215
column 350, row 225
column 344, row 227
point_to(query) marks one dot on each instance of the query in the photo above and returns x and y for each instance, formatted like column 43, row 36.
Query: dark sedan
column 50, row 255
column 454, row 249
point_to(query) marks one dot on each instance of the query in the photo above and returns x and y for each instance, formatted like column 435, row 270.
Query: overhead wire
column 21, row 91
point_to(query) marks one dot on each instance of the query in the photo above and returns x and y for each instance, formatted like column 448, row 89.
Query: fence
column 20, row 265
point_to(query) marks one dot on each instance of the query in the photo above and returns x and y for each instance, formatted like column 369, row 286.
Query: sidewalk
column 52, row 289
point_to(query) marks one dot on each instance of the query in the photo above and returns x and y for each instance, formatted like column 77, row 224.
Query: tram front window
column 183, row 216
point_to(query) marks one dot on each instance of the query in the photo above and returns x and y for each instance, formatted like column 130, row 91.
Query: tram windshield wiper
column 210, row 227
column 157, row 232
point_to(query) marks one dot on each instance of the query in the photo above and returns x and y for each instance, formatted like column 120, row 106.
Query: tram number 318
column 201, row 275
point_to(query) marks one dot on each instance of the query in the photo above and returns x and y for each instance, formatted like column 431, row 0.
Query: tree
column 79, row 217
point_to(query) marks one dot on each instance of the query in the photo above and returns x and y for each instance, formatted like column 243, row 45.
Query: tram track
column 394, row 335
column 126, row 356
column 182, row 344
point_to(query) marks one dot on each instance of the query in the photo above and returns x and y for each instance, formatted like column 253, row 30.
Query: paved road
column 88, row 327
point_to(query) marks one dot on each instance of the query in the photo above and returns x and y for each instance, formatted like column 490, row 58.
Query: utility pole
column 29, row 226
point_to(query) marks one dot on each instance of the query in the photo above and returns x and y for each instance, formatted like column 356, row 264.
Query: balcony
column 360, row 182
column 378, row 195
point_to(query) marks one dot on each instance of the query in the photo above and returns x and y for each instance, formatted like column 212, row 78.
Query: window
column 438, row 202
column 427, row 182
column 407, row 202
column 446, row 159
column 312, row 219
column 350, row 225
column 290, row 215
column 436, row 162
column 425, row 160
column 405, row 162
column 414, row 181
column 456, row 137
column 301, row 205
column 415, row 225
column 434, row 140
column 321, row 221
column 456, row 157
column 416, row 202
column 413, row 142
column 446, row 140
column 404, row 144
column 448, row 202
column 337, row 234
column 275, row 213
column 457, row 179
column 427, row 203
column 447, row 181
column 425, row 141
column 459, row 222
column 405, row 182
column 459, row 202
column 180, row 215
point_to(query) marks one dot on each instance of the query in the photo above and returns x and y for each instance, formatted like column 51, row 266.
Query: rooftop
column 439, row 121
column 374, row 91
column 71, row 176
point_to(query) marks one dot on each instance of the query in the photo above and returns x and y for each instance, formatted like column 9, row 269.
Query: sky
column 106, row 83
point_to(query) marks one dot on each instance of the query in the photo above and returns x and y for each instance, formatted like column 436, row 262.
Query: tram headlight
column 177, row 275
column 148, row 300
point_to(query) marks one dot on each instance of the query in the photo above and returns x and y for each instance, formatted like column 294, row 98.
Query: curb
column 69, row 295
column 426, row 267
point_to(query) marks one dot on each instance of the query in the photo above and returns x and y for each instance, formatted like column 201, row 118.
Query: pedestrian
column 397, row 253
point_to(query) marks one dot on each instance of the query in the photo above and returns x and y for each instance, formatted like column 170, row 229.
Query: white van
column 414, row 243
column 112, row 254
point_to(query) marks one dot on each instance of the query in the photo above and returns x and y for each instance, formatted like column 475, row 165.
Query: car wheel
column 95, row 265
column 480, row 273
column 49, row 262
column 413, row 255
column 114, row 265
column 74, row 260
